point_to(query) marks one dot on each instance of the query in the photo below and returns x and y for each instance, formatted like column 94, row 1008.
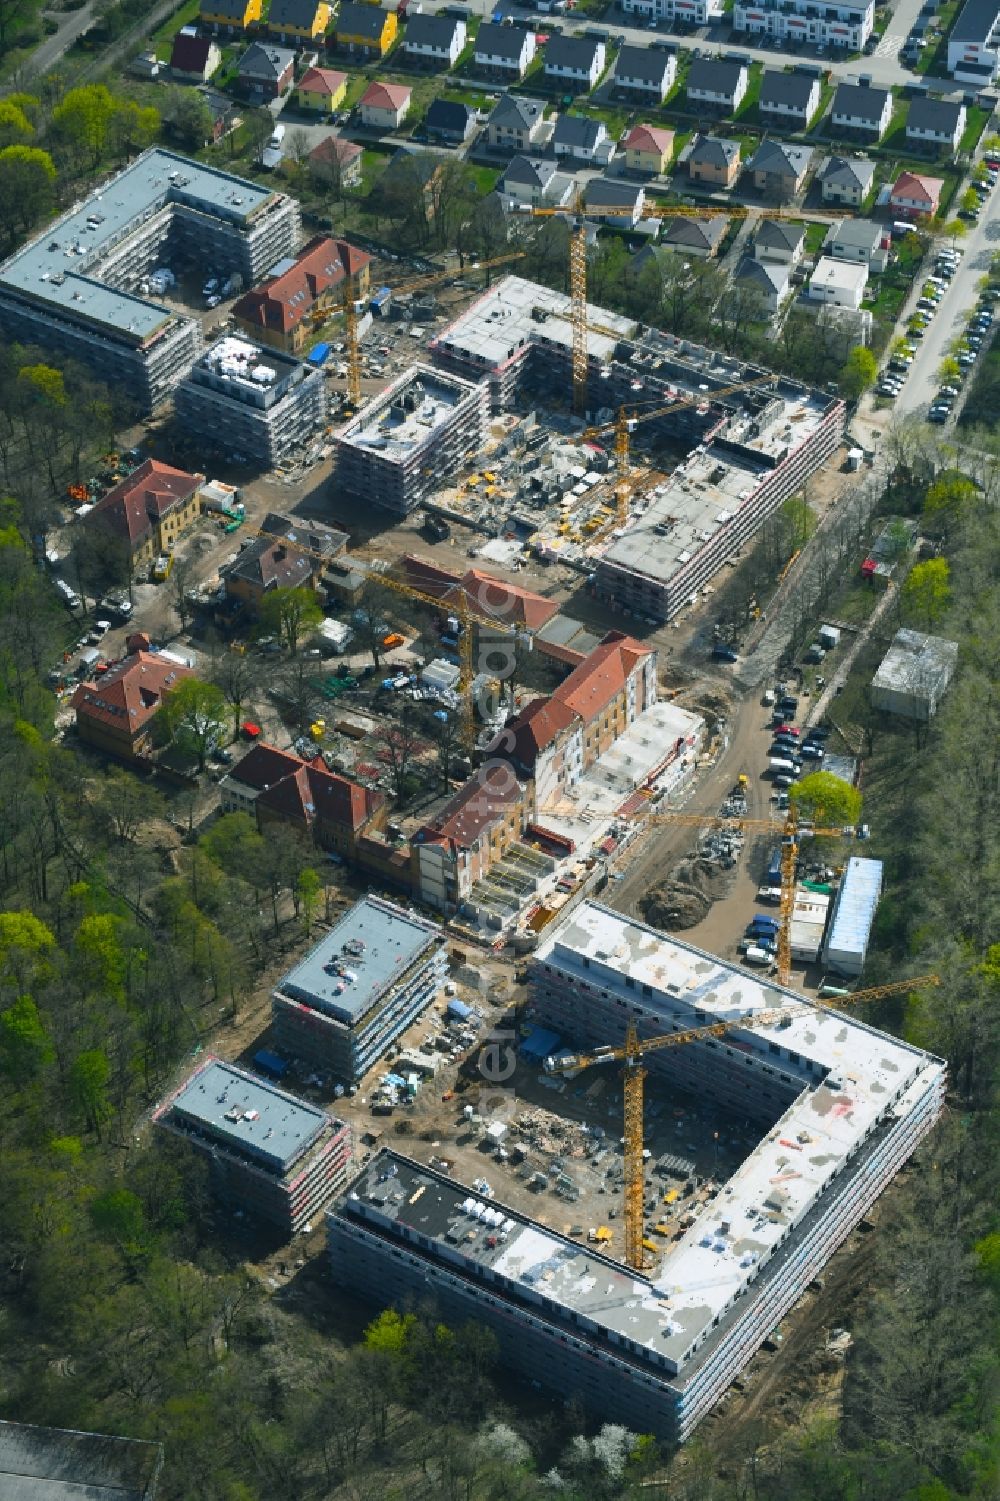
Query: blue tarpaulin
column 460, row 1010
column 270, row 1063
column 317, row 355
column 539, row 1043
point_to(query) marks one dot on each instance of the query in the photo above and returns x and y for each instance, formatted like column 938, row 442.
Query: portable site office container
column 853, row 915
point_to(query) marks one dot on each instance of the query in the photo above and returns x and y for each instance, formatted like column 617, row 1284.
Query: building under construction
column 258, row 404
column 743, row 451
column 841, row 1107
column 412, row 439
column 271, row 1154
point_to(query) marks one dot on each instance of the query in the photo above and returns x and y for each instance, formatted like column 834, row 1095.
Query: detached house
column 435, row 40
column 321, row 89
column 915, row 196
column 447, row 120
column 279, row 311
column 716, row 85
column 265, row 71
column 649, row 149
column 288, row 554
column 858, row 240
column 612, row 193
column 149, row 510
column 300, row 22
column 699, row 237
column 860, row 110
column 366, row 30
column 535, row 181
column 936, row 123
column 788, row 98
column 846, row 180
column 580, row 138
column 503, row 52
column 195, row 55
column 838, row 283
column 336, row 159
column 645, row 73
column 779, row 240
column 714, row 161
column 384, row 106
column 231, row 16
column 576, row 61
column 515, row 123
column 769, row 279
column 779, row 170
column 115, row 713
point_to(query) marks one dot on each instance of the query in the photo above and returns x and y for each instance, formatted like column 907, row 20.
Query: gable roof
column 385, row 95
column 264, row 60
column 515, row 113
column 448, row 114
column 40, row 1464
column 699, row 233
column 532, row 171
column 648, row 64
column 507, row 42
column 283, row 556
column 130, row 692
column 651, row 138
column 939, row 115
column 431, row 31
column 575, row 52
column 488, row 794
column 320, row 80
column 301, row 14
column 579, row 131
column 283, row 301
column 860, row 101
column 592, row 685
column 533, row 730
column 612, row 192
column 366, row 21
column 850, row 171
column 776, row 156
column 234, row 9
column 793, row 90
column 715, row 76
column 779, row 234
column 769, row 276
column 975, row 22
column 484, row 593
column 864, row 233
column 190, row 51
column 336, row 148
column 714, row 151
column 145, row 497
column 304, row 790
column 917, row 185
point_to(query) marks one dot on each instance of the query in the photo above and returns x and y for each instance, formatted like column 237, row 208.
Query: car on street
column 936, row 415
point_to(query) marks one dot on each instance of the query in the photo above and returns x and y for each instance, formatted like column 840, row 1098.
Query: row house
column 503, row 52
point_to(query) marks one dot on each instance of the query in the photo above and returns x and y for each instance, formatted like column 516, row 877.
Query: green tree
column 187, row 117
column 970, row 201
column 307, row 889
column 195, row 718
column 858, row 372
column 949, row 370
column 118, row 1216
column 83, row 119
column 824, row 799
column 926, row 593
column 89, row 1078
column 15, row 127
column 25, row 942
column 24, row 1043
column 290, row 613
column 950, row 499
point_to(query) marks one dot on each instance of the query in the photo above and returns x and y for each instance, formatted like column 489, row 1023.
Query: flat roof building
column 271, row 1154
column 410, row 440
column 359, row 987
column 914, row 674
column 81, row 288
column 258, row 403
column 842, row 1107
column 854, row 909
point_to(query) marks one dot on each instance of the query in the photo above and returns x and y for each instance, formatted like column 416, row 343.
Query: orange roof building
column 481, row 593
column 114, row 713
column 279, row 787
column 280, row 311
column 603, row 677
column 150, row 509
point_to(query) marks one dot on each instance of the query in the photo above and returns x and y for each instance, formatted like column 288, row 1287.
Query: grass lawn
column 934, row 57
column 162, row 40
column 615, row 120
column 975, row 124
column 895, row 137
column 751, row 96
column 815, row 235
column 486, row 178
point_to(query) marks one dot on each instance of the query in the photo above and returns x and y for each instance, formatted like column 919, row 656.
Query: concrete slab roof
column 355, row 966
column 61, row 266
column 501, row 323
column 408, row 414
column 252, row 1118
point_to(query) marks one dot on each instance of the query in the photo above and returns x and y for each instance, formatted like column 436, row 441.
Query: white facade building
column 841, row 283
column 821, row 22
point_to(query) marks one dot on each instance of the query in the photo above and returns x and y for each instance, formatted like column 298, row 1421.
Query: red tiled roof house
column 915, row 196
column 471, row 833
column 275, row 786
column 150, row 509
column 115, row 713
column 279, row 311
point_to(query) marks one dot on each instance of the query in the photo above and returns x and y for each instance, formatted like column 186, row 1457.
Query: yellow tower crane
column 579, row 213
column 416, row 285
column 631, row 1054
